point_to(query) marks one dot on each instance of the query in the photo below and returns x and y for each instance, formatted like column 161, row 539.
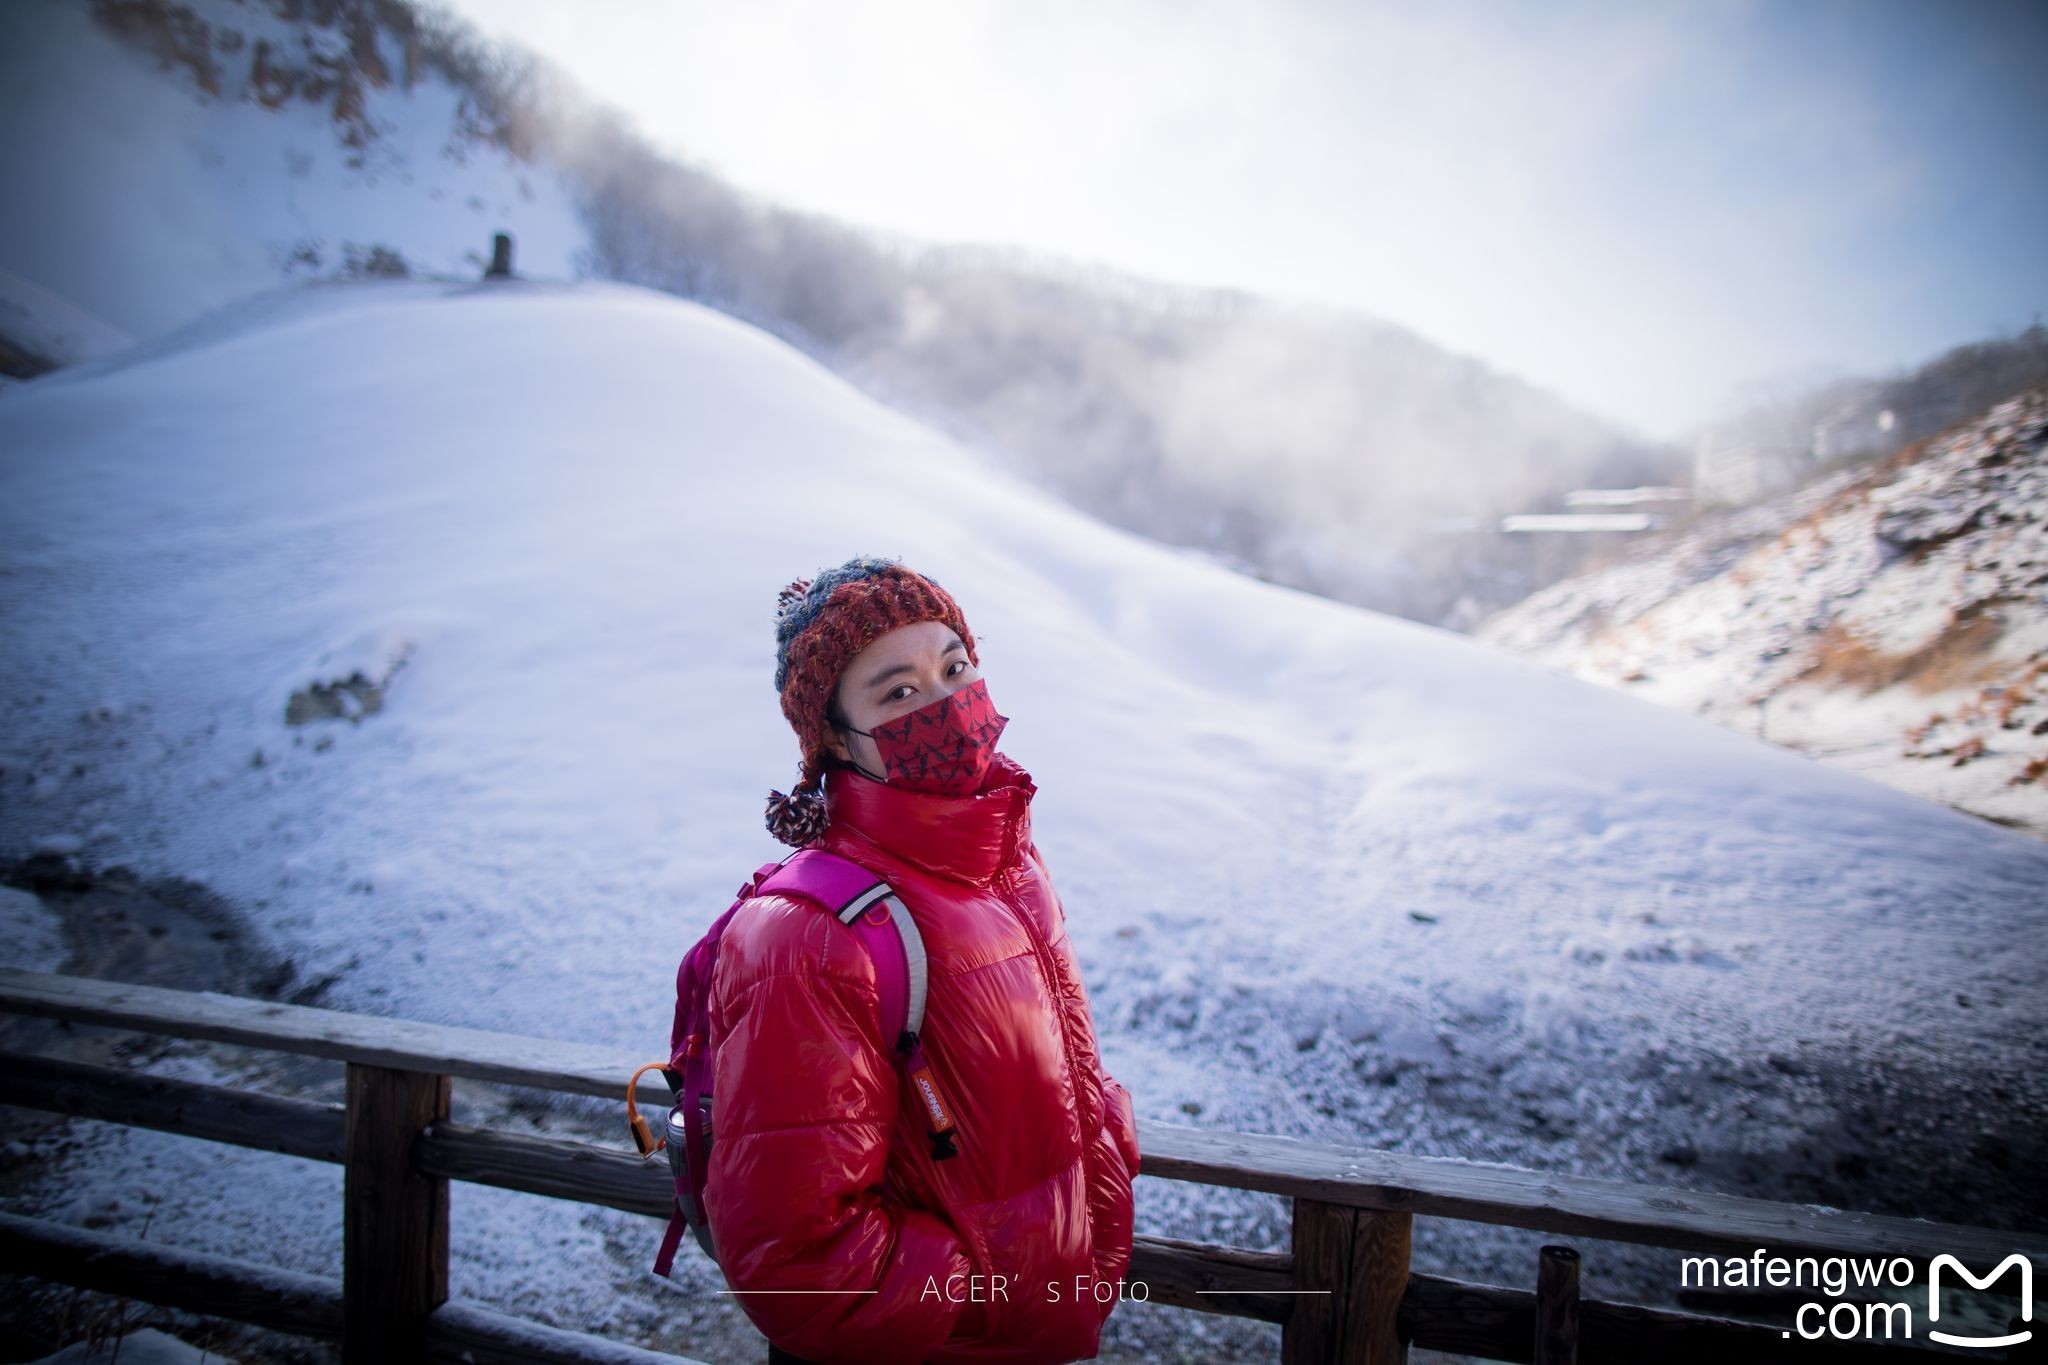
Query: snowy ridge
column 1329, row 873
column 53, row 331
column 189, row 155
column 1890, row 619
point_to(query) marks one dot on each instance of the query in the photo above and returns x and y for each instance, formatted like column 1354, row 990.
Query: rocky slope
column 1891, row 619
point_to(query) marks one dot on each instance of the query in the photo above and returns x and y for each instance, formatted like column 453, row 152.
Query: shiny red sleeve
column 804, row 1099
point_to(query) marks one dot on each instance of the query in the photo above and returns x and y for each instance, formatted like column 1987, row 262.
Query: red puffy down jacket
column 821, row 1175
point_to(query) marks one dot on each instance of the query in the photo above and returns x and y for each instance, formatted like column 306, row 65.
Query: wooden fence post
column 1557, row 1306
column 1353, row 1266
column 394, row 1258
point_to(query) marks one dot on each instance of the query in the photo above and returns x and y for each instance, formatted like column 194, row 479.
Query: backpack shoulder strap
column 864, row 903
column 869, row 906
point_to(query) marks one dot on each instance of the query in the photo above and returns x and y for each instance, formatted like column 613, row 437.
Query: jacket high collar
column 968, row 838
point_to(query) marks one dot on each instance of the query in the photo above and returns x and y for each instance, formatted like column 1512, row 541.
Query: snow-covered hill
column 1329, row 873
column 169, row 160
column 1889, row 619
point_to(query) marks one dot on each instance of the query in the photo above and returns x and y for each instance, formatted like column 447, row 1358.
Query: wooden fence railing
column 1343, row 1292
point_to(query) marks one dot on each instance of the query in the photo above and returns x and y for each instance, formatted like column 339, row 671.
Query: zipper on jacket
column 1009, row 879
column 1043, row 951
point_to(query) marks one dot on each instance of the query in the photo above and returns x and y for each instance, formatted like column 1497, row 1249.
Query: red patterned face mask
column 944, row 748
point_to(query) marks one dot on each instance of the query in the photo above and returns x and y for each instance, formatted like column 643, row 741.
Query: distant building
column 1625, row 497
column 1858, row 431
column 1726, row 471
column 1580, row 522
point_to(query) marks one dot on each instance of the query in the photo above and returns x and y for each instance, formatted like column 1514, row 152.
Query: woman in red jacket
column 846, row 1231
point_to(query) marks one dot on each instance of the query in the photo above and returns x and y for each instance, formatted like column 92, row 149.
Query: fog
column 1314, row 446
column 1642, row 208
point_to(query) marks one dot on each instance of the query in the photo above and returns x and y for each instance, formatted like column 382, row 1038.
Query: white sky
column 1647, row 208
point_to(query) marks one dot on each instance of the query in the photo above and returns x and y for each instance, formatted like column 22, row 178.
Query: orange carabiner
column 643, row 1136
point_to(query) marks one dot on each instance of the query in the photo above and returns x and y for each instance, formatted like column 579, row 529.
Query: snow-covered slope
column 1329, row 873
column 169, row 160
column 49, row 331
column 1890, row 619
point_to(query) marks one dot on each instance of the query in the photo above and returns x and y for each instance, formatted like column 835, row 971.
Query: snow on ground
column 1330, row 873
column 34, row 936
column 52, row 329
column 1890, row 620
column 146, row 1347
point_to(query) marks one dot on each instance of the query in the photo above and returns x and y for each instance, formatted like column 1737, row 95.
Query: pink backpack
column 864, row 903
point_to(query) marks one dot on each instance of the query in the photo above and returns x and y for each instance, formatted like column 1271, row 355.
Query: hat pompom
column 799, row 817
column 790, row 596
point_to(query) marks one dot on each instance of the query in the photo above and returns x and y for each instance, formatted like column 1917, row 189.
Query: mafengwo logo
column 1855, row 1306
column 2026, row 1298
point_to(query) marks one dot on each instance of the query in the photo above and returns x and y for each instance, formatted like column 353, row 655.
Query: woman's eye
column 898, row 692
column 954, row 671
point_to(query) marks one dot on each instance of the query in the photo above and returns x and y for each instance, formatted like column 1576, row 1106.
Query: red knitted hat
column 820, row 624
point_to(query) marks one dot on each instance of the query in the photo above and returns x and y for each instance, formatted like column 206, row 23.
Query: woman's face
column 910, row 667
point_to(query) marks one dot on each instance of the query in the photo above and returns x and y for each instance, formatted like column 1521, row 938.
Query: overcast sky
column 1648, row 207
